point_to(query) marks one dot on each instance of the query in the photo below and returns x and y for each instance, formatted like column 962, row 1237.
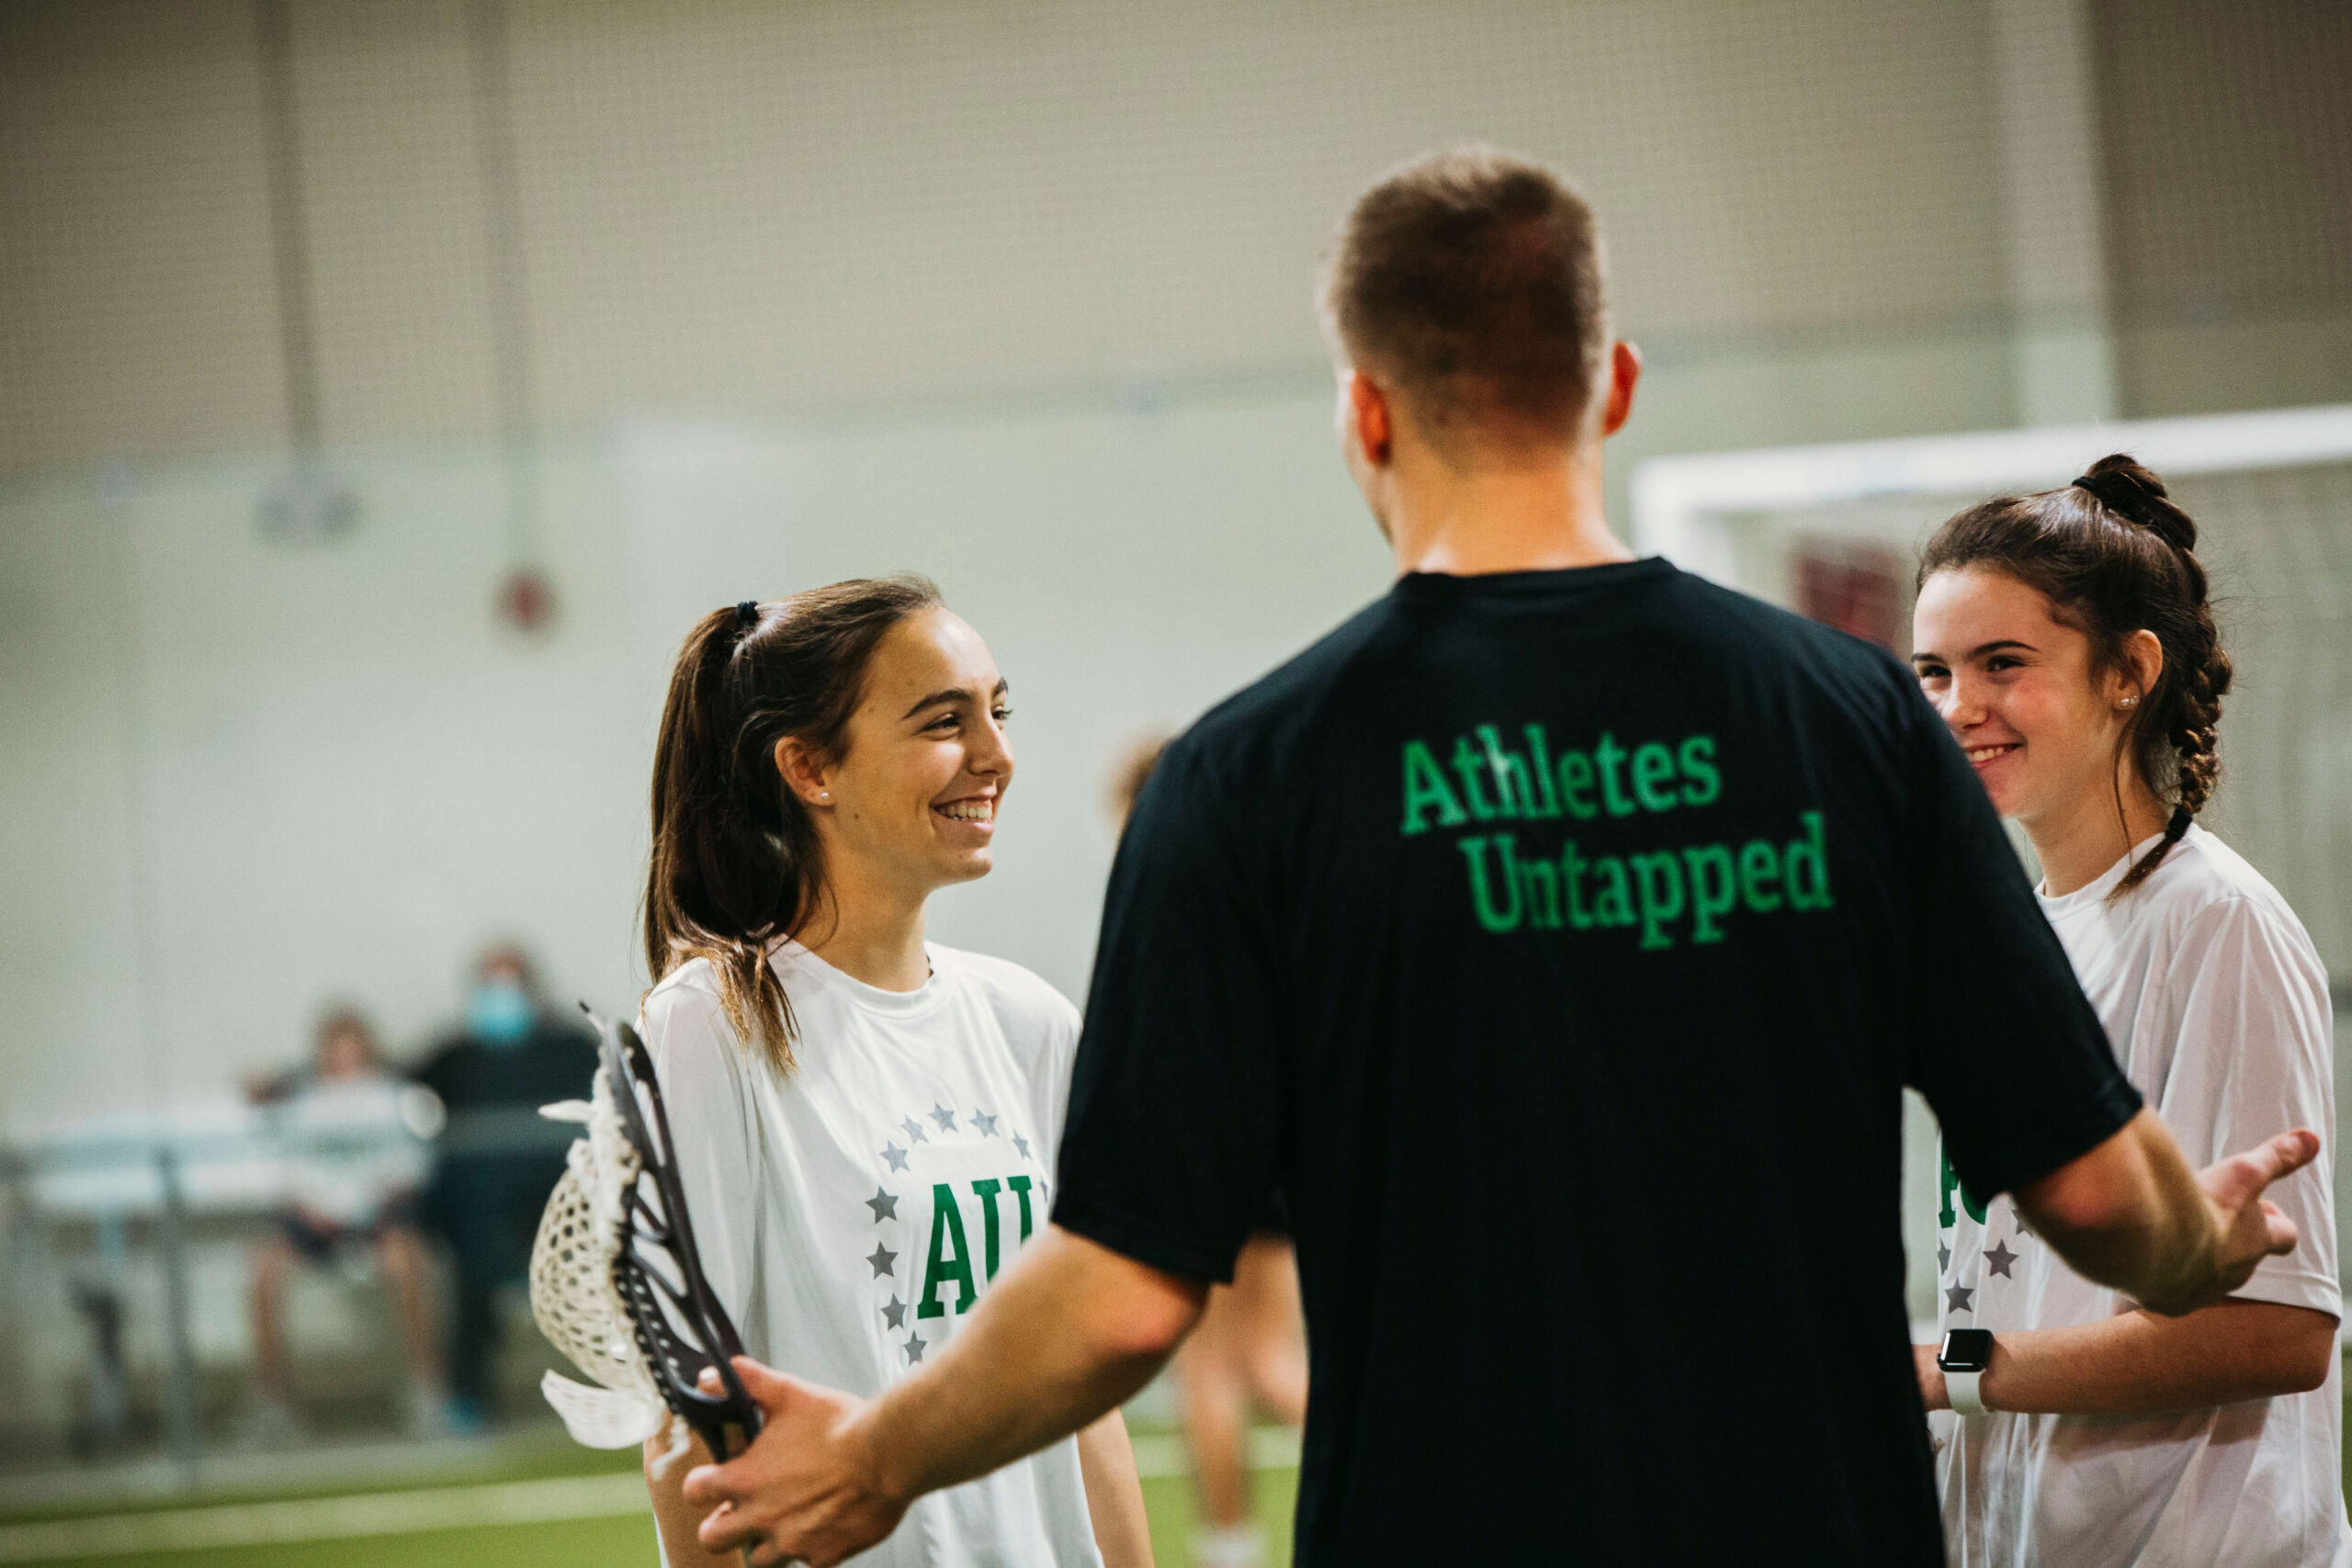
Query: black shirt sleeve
column 1175, row 1095
column 2003, row 1045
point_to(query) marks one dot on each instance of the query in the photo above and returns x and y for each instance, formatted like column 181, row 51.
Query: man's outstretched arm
column 2130, row 1213
column 1070, row 1331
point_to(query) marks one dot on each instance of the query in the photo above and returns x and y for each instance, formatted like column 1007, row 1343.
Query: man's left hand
column 808, row 1490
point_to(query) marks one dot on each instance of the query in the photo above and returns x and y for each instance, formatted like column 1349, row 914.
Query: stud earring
column 2130, row 702
column 828, row 795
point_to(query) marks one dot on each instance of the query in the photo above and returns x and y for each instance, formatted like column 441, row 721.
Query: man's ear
column 1370, row 420
column 803, row 773
column 1624, row 370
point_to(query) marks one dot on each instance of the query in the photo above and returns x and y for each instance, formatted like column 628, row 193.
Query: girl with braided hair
column 2067, row 640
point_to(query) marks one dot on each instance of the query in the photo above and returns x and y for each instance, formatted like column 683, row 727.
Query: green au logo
column 1976, row 1206
column 950, row 1264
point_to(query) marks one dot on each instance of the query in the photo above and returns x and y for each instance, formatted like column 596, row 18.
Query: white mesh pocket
column 572, row 1296
column 573, row 1299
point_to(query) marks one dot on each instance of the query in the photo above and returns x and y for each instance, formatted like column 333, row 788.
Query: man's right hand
column 2129, row 1214
column 2249, row 1226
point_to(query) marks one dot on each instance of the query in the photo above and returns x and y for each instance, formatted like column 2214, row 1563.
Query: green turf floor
column 621, row 1542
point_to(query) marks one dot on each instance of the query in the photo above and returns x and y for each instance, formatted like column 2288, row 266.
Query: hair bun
column 2129, row 489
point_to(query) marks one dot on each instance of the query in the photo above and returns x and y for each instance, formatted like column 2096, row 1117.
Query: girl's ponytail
column 736, row 864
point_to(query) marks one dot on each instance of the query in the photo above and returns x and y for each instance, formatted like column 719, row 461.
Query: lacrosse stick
column 616, row 1284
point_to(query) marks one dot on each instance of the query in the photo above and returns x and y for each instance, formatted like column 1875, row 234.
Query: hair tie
column 747, row 613
column 2083, row 481
column 2177, row 828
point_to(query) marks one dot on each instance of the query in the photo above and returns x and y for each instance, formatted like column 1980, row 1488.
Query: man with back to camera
column 1558, row 934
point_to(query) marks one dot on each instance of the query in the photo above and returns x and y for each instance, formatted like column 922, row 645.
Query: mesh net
column 574, row 1299
column 2276, row 543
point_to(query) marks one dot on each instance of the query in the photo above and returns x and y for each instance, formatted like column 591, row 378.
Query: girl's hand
column 1932, row 1393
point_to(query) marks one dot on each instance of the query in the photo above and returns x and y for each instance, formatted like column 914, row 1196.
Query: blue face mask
column 499, row 1013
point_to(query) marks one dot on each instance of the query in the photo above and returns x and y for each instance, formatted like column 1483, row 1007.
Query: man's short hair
column 1470, row 280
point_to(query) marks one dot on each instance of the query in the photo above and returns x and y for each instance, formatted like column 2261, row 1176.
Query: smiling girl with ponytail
column 2068, row 642
column 735, row 854
column 866, row 1122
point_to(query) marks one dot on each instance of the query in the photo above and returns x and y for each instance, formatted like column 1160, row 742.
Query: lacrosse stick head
column 681, row 1328
column 616, row 1284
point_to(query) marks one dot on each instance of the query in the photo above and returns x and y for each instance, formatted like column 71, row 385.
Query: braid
column 2184, row 713
column 2199, row 737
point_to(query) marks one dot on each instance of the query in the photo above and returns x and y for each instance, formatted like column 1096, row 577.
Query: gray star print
column 885, row 1206
column 883, row 1260
column 895, row 1156
column 913, row 1129
column 1022, row 1143
column 2000, row 1261
column 985, row 1122
column 914, row 1346
column 1943, row 1258
column 895, row 1315
column 1957, row 1298
column 945, row 1117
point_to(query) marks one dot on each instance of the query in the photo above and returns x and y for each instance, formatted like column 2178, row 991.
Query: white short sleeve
column 708, row 1101
column 1061, row 1057
column 2256, row 1059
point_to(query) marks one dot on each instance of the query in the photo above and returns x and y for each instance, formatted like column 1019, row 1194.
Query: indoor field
column 1680, row 676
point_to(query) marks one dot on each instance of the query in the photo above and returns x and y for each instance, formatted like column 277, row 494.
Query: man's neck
column 1469, row 522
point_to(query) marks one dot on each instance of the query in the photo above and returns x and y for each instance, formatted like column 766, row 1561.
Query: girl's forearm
column 1114, row 1494
column 2141, row 1364
column 675, row 1519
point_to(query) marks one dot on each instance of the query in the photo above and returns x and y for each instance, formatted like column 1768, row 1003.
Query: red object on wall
column 527, row 600
column 1856, row 587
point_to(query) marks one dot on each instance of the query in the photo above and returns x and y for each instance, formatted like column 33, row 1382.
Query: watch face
column 1966, row 1350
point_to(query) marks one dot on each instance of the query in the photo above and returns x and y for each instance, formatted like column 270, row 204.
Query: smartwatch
column 1966, row 1353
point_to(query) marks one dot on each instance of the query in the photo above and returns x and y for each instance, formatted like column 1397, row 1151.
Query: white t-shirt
column 349, row 1150
column 2218, row 1009
column 850, row 1216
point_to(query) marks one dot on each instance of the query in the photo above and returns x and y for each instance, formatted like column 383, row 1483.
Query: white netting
column 573, row 1298
column 2273, row 536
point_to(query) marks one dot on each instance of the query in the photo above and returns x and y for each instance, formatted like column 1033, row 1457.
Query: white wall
column 731, row 206
column 237, row 778
column 336, row 776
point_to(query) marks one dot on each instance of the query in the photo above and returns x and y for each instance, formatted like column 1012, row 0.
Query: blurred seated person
column 498, row 1162
column 353, row 1166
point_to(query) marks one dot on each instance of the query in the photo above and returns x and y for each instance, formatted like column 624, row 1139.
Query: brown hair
column 2113, row 555
column 345, row 1017
column 1472, row 279
column 735, row 854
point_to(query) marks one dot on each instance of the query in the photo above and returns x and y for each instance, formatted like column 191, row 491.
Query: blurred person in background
column 1248, row 1350
column 2067, row 640
column 866, row 1121
column 497, row 1164
column 353, row 1170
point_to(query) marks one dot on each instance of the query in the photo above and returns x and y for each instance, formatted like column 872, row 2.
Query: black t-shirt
column 1559, row 944
column 498, row 1161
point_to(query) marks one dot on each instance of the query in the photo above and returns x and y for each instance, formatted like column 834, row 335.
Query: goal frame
column 1682, row 505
